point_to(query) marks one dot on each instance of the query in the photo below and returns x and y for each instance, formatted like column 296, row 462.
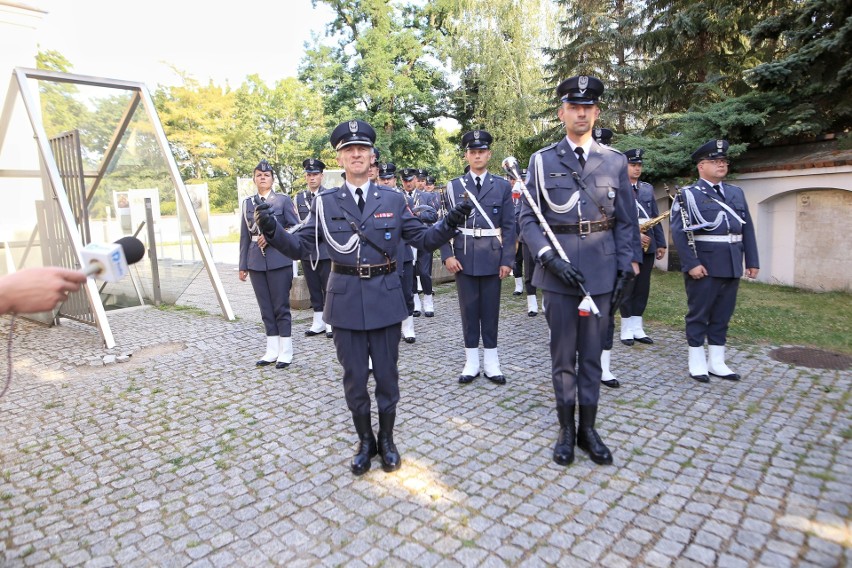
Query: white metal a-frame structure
column 19, row 90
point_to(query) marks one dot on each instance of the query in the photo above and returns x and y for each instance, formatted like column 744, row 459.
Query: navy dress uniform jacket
column 597, row 255
column 353, row 302
column 722, row 260
column 483, row 256
column 251, row 258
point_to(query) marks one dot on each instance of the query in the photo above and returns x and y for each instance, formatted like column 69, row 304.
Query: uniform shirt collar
column 586, row 147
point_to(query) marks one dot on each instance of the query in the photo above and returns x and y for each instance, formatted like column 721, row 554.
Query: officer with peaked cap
column 603, row 136
column 584, row 195
column 482, row 255
column 408, row 256
column 652, row 245
column 270, row 271
column 713, row 232
column 387, row 174
column 316, row 264
column 425, row 206
column 363, row 225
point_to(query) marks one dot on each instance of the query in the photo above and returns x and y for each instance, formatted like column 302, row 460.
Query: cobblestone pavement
column 187, row 454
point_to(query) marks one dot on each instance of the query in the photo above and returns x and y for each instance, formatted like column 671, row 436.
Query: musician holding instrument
column 713, row 232
column 582, row 238
column 653, row 247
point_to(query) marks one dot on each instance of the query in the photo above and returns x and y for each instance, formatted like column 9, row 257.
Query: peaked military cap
column 421, row 173
column 313, row 166
column 408, row 174
column 430, row 180
column 711, row 150
column 635, row 155
column 352, row 132
column 387, row 170
column 476, row 140
column 602, row 135
column 263, row 166
column 580, row 90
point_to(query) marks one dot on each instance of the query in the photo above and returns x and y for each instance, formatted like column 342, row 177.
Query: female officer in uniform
column 271, row 272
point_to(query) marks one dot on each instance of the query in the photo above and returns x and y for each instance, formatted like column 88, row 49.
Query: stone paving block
column 194, row 457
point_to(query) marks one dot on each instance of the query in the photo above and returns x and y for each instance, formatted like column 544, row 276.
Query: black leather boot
column 563, row 451
column 588, row 439
column 366, row 444
column 387, row 449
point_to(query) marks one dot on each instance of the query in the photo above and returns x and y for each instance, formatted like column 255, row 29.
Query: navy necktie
column 478, row 184
column 360, row 193
column 579, row 151
column 718, row 189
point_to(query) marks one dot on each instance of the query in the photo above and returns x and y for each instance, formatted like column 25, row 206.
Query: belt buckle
column 477, row 232
column 363, row 271
column 585, row 227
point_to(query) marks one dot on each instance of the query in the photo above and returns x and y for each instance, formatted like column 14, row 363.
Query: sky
column 142, row 40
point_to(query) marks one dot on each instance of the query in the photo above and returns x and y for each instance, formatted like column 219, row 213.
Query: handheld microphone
column 110, row 262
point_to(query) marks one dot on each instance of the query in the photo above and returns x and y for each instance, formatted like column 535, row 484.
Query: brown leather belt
column 364, row 270
column 584, row 227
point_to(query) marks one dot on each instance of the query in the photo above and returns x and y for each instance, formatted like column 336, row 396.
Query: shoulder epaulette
column 619, row 152
column 328, row 191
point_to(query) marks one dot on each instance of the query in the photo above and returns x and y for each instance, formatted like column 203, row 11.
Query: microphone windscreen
column 133, row 249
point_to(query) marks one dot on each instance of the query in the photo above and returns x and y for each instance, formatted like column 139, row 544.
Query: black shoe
column 588, row 439
column 391, row 461
column 367, row 448
column 612, row 383
column 563, row 450
column 429, row 314
column 532, row 314
column 731, row 377
column 627, row 342
column 496, row 379
column 263, row 363
column 329, row 334
column 281, row 365
column 700, row 378
column 409, row 339
column 416, row 313
column 516, row 293
column 646, row 340
column 465, row 379
column 311, row 333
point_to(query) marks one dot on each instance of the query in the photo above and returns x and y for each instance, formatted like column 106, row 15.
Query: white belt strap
column 731, row 238
column 479, row 232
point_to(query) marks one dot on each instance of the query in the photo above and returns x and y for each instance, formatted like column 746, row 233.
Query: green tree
column 61, row 110
column 382, row 68
column 281, row 124
column 197, row 120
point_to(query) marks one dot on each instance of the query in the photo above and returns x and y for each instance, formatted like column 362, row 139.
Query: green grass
column 773, row 314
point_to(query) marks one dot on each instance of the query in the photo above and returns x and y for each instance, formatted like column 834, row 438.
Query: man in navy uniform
column 583, row 192
column 270, row 271
column 408, row 256
column 716, row 214
column 426, row 208
column 316, row 263
column 482, row 255
column 363, row 225
column 387, row 175
column 653, row 244
column 603, row 136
